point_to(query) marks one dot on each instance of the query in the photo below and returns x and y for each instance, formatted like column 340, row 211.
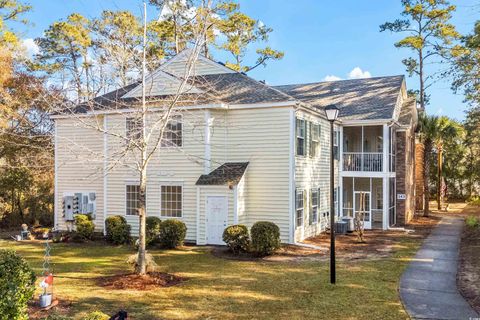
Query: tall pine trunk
column 439, row 164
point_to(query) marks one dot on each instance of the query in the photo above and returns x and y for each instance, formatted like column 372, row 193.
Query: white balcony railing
column 363, row 161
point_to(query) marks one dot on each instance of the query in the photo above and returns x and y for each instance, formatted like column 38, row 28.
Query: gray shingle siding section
column 359, row 99
column 227, row 173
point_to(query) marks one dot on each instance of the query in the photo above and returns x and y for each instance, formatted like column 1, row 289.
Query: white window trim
column 171, row 148
column 131, row 183
column 297, row 190
column 316, row 140
column 304, row 137
column 312, row 206
column 173, row 184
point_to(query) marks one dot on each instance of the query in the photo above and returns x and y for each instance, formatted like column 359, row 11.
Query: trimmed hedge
column 265, row 237
column 172, row 233
column 117, row 229
column 236, row 237
column 17, row 285
column 152, row 231
column 84, row 226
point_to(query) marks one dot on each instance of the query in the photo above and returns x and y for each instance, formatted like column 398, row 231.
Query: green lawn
column 224, row 289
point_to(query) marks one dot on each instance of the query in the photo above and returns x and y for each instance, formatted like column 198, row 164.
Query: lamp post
column 331, row 112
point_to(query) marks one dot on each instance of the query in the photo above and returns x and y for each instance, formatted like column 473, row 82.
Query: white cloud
column 331, row 78
column 358, row 73
column 31, row 47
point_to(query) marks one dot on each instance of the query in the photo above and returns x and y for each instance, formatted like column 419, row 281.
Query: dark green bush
column 265, row 237
column 152, row 230
column 84, row 226
column 17, row 285
column 236, row 237
column 172, row 233
column 117, row 229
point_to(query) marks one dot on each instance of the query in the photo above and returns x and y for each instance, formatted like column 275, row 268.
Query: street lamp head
column 331, row 111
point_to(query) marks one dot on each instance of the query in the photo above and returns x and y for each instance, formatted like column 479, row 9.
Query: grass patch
column 224, row 289
column 472, row 222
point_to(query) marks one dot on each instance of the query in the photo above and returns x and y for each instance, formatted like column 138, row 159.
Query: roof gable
column 160, row 83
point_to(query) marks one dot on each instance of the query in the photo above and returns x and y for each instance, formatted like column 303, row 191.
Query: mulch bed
column 468, row 277
column 378, row 244
column 134, row 281
column 35, row 312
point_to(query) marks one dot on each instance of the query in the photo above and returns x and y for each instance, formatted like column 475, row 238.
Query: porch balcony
column 368, row 149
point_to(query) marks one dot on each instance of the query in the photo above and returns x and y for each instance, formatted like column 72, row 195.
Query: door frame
column 207, row 195
column 367, row 224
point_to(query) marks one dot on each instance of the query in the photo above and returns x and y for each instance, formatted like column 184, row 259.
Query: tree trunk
column 142, row 267
column 422, row 81
column 439, row 164
column 426, row 173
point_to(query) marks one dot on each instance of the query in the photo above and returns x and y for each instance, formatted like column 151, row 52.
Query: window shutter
column 308, row 138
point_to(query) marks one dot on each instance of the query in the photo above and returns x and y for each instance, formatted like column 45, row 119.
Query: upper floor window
column 301, row 142
column 314, row 139
column 134, row 130
column 336, row 143
column 172, row 136
column 171, row 201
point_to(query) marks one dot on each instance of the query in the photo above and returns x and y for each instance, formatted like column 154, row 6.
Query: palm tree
column 434, row 131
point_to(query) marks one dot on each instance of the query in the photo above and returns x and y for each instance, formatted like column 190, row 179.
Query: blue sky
column 335, row 39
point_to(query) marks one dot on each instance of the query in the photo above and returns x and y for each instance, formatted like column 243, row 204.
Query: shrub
column 84, row 226
column 472, row 222
column 96, row 315
column 117, row 229
column 17, row 282
column 172, row 233
column 265, row 237
column 152, row 230
column 236, row 237
column 474, row 200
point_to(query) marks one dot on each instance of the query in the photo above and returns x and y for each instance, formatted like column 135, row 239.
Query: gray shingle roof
column 227, row 173
column 229, row 88
column 359, row 99
column 407, row 112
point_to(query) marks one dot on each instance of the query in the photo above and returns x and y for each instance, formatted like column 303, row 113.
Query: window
column 314, row 199
column 314, row 139
column 299, row 205
column 132, row 199
column 172, row 136
column 336, row 140
column 134, row 128
column 300, row 130
column 171, row 201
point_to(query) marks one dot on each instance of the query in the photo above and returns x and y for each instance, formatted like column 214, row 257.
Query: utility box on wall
column 79, row 203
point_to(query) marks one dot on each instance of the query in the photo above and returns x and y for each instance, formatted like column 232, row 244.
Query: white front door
column 365, row 207
column 217, row 216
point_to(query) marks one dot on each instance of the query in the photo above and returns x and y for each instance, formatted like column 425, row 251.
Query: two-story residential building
column 242, row 151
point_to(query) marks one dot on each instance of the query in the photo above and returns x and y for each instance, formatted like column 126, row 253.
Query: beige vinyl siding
column 201, row 67
column 172, row 166
column 314, row 172
column 79, row 154
column 205, row 191
column 261, row 137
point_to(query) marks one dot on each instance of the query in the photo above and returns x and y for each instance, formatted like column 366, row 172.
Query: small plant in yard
column 236, row 237
column 265, row 237
column 152, row 230
column 96, row 315
column 117, row 229
column 474, row 200
column 151, row 265
column 472, row 222
column 172, row 233
column 84, row 226
column 17, row 282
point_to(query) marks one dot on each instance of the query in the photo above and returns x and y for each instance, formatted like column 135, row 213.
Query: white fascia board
column 351, row 123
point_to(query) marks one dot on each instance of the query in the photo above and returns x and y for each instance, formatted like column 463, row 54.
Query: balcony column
column 385, row 179
column 386, row 139
column 340, row 177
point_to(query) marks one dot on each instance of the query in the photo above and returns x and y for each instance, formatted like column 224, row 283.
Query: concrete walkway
column 428, row 288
